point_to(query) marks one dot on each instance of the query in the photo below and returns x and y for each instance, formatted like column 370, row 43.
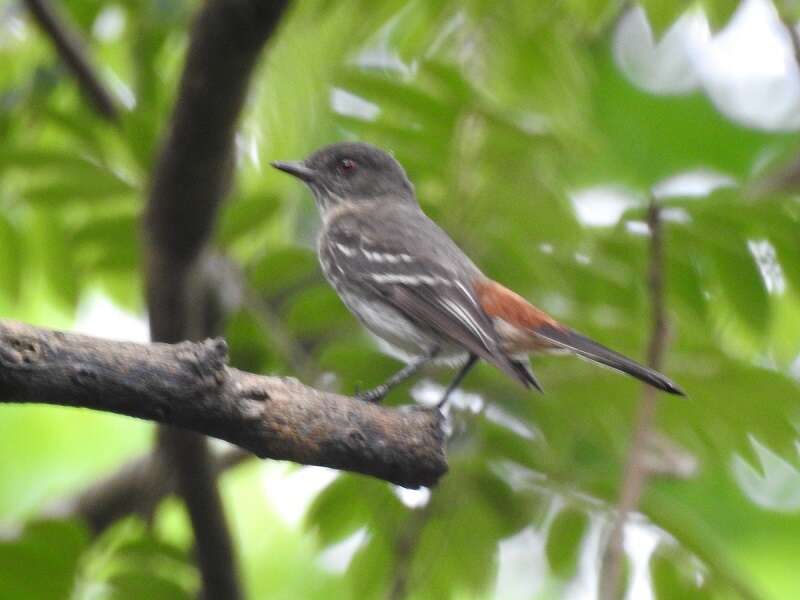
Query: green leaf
column 401, row 99
column 788, row 10
column 357, row 363
column 741, row 282
column 145, row 548
column 42, row 561
column 129, row 562
column 788, row 255
column 471, row 511
column 248, row 342
column 731, row 409
column 649, row 138
column 246, row 215
column 501, row 443
column 594, row 15
column 284, row 269
column 11, row 260
column 61, row 192
column 36, row 159
column 564, row 541
column 348, row 503
column 671, row 579
column 685, row 283
column 663, row 13
column 719, row 12
column 370, row 571
column 56, row 258
column 109, row 242
column 316, row 311
column 138, row 585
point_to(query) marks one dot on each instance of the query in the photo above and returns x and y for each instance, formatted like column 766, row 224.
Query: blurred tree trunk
column 191, row 177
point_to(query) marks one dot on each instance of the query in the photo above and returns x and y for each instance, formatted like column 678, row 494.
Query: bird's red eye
column 347, row 166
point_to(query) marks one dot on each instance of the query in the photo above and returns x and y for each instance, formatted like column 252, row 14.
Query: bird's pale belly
column 398, row 336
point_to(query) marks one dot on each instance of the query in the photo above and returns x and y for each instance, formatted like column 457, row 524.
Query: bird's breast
column 397, row 336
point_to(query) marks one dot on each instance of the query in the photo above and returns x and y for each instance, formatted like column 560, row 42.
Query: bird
column 414, row 289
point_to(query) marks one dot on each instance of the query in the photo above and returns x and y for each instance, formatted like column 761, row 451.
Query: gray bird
column 415, row 289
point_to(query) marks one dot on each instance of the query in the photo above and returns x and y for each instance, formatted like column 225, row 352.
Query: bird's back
column 401, row 229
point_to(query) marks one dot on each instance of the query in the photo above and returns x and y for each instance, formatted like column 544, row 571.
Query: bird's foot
column 375, row 395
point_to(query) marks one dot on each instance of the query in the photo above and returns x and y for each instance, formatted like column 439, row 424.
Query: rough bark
column 189, row 385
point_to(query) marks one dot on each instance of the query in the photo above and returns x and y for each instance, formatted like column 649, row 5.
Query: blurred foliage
column 500, row 111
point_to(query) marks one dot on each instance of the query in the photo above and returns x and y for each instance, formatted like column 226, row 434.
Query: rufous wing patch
column 516, row 319
column 499, row 301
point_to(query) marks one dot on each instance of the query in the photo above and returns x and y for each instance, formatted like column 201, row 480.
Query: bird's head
column 351, row 172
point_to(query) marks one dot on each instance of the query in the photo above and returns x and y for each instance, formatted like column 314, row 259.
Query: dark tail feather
column 587, row 348
column 519, row 370
column 525, row 374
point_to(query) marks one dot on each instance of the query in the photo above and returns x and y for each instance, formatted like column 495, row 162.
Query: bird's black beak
column 296, row 168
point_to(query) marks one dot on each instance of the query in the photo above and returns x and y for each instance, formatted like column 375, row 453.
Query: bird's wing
column 428, row 292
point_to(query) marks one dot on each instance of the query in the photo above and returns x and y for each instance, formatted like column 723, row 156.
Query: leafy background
column 534, row 141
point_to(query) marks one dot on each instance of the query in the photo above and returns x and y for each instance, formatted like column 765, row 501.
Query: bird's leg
column 379, row 393
column 458, row 379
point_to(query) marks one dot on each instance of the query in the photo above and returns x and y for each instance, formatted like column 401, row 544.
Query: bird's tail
column 563, row 337
column 528, row 329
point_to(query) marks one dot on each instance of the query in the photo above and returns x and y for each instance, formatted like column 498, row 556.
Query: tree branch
column 191, row 178
column 194, row 167
column 140, row 484
column 636, row 471
column 404, row 548
column 786, row 176
column 189, row 385
column 70, row 48
column 794, row 38
column 135, row 488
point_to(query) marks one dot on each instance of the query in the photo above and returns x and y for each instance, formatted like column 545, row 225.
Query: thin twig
column 794, row 38
column 70, row 47
column 636, row 472
column 786, row 177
